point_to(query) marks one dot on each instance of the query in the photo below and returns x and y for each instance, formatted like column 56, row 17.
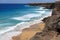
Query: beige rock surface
column 30, row 32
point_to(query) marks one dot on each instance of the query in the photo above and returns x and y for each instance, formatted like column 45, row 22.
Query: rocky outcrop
column 46, row 5
column 52, row 28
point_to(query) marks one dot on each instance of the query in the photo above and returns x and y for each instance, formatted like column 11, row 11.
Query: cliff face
column 52, row 28
column 46, row 5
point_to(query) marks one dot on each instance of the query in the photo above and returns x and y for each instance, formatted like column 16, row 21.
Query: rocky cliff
column 52, row 28
column 46, row 5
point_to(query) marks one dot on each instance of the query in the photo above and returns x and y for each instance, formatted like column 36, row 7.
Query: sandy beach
column 27, row 33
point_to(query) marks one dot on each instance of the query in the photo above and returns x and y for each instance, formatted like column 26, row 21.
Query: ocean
column 19, row 15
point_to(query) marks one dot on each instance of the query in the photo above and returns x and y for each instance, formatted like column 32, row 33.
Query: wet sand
column 28, row 33
column 8, row 35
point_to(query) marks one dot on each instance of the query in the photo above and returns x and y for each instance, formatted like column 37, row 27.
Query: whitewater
column 26, row 21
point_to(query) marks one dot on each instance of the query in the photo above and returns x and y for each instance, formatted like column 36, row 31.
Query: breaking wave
column 28, row 17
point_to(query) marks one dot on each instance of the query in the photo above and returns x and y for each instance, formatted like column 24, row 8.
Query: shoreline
column 32, row 30
column 8, row 35
column 24, row 26
column 32, row 25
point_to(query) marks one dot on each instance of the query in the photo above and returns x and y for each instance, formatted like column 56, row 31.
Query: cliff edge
column 52, row 27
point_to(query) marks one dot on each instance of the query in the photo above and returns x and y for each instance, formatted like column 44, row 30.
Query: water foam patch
column 40, row 11
column 26, row 17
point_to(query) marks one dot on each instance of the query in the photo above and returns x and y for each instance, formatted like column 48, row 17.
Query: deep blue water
column 12, row 14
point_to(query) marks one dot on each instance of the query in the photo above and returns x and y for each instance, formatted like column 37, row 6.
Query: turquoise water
column 13, row 14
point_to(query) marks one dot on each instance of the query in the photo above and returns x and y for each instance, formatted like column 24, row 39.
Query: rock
column 52, row 27
column 46, row 5
column 47, row 36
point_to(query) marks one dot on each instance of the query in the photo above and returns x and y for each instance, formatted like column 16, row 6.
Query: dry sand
column 28, row 33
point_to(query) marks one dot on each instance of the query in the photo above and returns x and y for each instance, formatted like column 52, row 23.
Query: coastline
column 52, row 26
column 17, row 31
column 27, row 33
column 21, row 28
column 46, row 28
column 11, row 34
column 30, row 26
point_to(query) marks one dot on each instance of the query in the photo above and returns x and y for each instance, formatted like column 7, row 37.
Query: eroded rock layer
column 52, row 28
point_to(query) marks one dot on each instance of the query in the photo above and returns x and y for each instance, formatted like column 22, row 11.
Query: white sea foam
column 22, row 25
column 29, row 16
column 26, row 17
column 40, row 11
column 9, row 28
column 8, row 36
